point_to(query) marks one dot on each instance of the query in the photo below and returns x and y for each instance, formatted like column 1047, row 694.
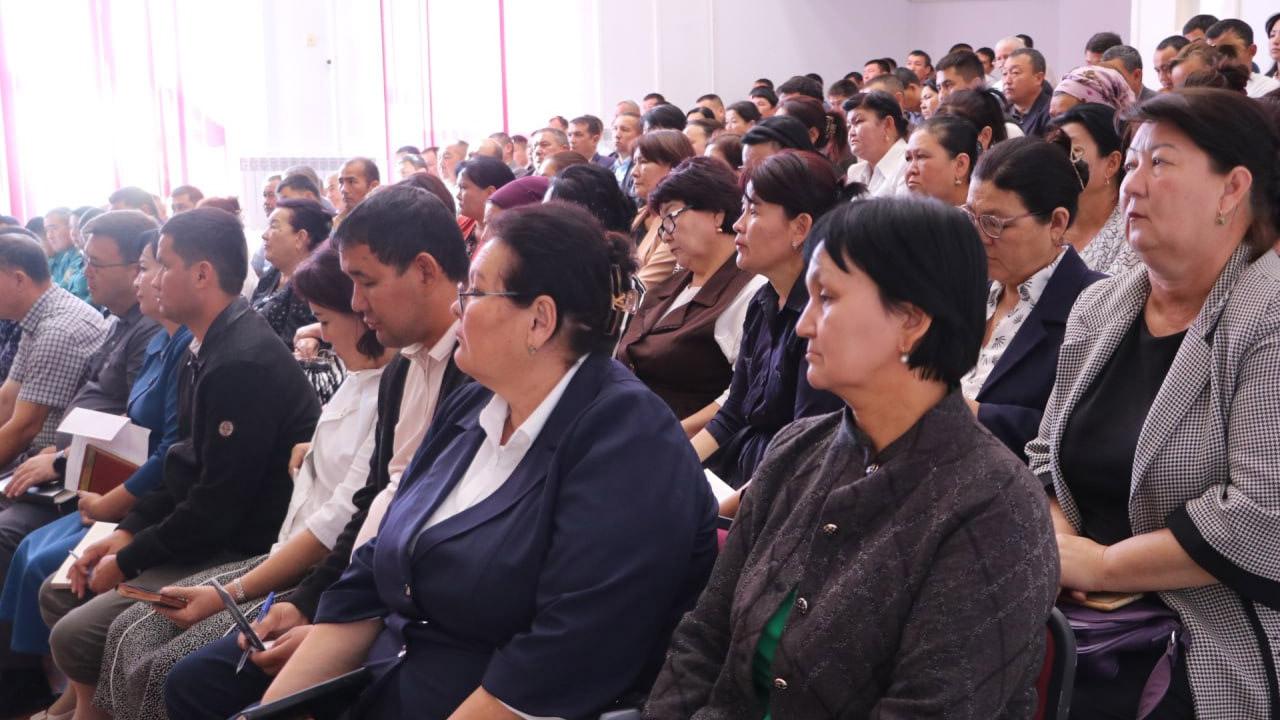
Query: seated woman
column 1099, row 233
column 145, row 642
column 940, row 158
column 683, row 341
column 784, row 197
column 478, row 179
column 554, row 525
column 1158, row 441
column 1022, row 200
column 594, row 187
column 153, row 404
column 877, row 135
column 655, row 154
column 985, row 110
column 1091, row 84
column 294, row 230
column 741, row 117
column 727, row 148
column 892, row 559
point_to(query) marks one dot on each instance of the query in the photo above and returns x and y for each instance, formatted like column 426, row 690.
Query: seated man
column 406, row 256
column 66, row 264
column 59, row 335
column 226, row 485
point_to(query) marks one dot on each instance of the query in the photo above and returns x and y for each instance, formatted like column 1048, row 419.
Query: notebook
column 61, row 579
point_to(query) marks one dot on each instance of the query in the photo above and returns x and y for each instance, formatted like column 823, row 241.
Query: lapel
column 1054, row 306
column 1189, row 372
column 531, row 471
column 662, row 296
column 1103, row 327
column 708, row 296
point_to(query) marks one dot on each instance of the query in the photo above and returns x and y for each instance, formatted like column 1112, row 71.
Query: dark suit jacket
column 558, row 591
column 1014, row 395
column 390, row 389
column 243, row 404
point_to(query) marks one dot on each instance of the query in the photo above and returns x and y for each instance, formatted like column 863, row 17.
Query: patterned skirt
column 143, row 646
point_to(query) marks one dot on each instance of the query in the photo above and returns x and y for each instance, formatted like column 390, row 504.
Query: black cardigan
column 390, row 389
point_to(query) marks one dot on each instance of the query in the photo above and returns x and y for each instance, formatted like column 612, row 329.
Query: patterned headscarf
column 1094, row 84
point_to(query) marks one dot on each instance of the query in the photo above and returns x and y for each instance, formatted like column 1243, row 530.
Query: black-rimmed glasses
column 465, row 296
column 668, row 226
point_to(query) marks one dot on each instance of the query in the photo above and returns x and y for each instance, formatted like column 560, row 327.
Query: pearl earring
column 904, row 358
column 958, row 182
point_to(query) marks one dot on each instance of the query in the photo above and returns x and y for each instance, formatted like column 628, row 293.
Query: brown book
column 103, row 471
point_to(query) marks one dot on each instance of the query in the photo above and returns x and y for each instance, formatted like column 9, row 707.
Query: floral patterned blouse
column 1109, row 251
column 1029, row 292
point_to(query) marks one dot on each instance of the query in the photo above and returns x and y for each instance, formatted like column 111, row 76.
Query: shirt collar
column 1029, row 290
column 894, row 158
column 494, row 414
column 437, row 353
column 39, row 309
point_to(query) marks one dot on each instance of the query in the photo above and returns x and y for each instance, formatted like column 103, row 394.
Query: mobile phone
column 133, row 592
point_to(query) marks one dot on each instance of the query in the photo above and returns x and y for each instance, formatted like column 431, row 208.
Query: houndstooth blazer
column 1207, row 466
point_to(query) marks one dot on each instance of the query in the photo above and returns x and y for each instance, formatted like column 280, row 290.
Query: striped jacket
column 1207, row 466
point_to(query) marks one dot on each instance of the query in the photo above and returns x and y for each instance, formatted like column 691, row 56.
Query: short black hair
column 20, row 250
column 320, row 281
column 854, row 75
column 697, row 111
column 595, row 126
column 1231, row 25
column 664, row 116
column 9, row 221
column 207, row 234
column 308, row 215
column 596, row 189
column 746, row 110
column 711, row 97
column 135, row 198
column 983, row 108
column 559, row 250
column 879, row 63
column 842, row 88
column 1128, row 56
column 1036, row 58
column 1177, row 42
column 921, row 253
column 486, row 171
column 960, row 47
column 882, row 104
column 928, row 60
column 801, row 85
column 765, row 81
column 655, row 96
column 815, row 77
column 1026, row 40
column 798, row 181
column 191, row 191
column 1199, row 22
column 368, row 168
column 965, row 62
column 408, row 149
column 906, row 76
column 986, row 52
column 1102, row 42
column 702, row 183
column 1039, row 172
column 763, row 92
column 399, row 222
column 36, row 226
column 128, row 228
column 299, row 183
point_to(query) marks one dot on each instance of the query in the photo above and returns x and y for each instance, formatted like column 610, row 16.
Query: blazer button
column 872, row 468
column 404, row 650
column 408, row 591
column 802, row 605
column 830, row 528
column 779, row 684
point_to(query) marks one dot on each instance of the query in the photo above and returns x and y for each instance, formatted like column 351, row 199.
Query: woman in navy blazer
column 1023, row 197
column 553, row 526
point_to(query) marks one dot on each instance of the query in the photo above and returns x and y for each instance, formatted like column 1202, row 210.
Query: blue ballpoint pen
column 262, row 612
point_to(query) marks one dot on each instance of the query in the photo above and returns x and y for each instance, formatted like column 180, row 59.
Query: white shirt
column 494, row 462
column 728, row 327
column 1029, row 292
column 338, row 462
column 889, row 178
column 1260, row 85
column 417, row 405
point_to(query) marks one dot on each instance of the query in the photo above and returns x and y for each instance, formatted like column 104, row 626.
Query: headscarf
column 1094, row 84
column 521, row 191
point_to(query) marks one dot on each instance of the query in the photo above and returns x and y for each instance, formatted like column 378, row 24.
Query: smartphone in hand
column 133, row 592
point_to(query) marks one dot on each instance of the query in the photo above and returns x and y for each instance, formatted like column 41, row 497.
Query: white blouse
column 889, row 178
column 338, row 462
column 1029, row 292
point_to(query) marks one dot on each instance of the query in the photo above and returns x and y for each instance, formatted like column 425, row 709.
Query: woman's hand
column 295, row 457
column 1083, row 565
column 274, row 657
column 84, row 572
column 86, row 507
column 282, row 617
column 202, row 602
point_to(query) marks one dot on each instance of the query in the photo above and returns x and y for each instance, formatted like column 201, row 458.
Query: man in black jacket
column 405, row 253
column 243, row 404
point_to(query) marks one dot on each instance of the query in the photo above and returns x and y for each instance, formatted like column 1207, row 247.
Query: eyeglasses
column 668, row 226
column 104, row 266
column 465, row 296
column 990, row 225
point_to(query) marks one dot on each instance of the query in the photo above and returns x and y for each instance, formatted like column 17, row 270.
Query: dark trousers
column 204, row 685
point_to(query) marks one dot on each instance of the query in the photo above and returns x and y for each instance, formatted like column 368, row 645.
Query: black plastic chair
column 1058, row 675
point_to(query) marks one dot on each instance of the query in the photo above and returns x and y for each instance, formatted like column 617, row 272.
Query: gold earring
column 532, row 350
column 1221, row 219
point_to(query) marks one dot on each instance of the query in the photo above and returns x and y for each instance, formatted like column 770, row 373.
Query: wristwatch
column 60, row 463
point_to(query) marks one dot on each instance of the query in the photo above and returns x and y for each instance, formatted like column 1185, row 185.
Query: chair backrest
column 1057, row 675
